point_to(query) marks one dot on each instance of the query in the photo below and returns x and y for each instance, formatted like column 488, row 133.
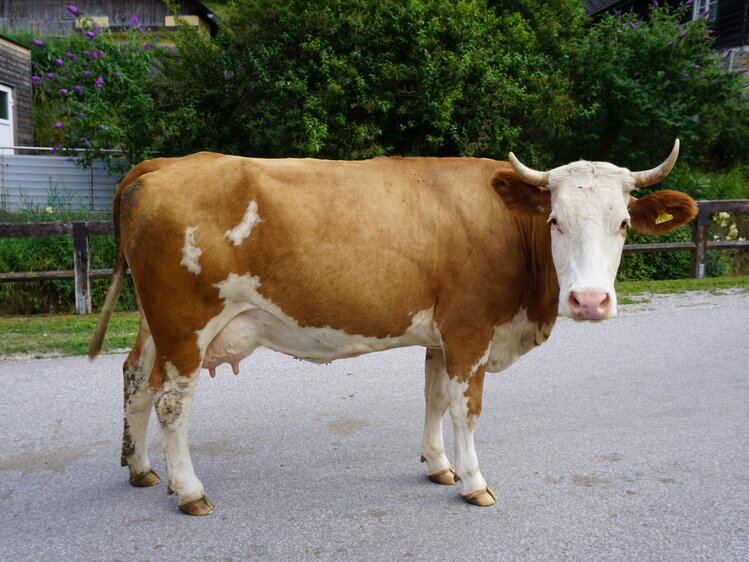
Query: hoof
column 144, row 479
column 481, row 498
column 446, row 477
column 200, row 506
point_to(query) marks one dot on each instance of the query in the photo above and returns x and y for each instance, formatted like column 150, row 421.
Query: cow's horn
column 650, row 177
column 533, row 177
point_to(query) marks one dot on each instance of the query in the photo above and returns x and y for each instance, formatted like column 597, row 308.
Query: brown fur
column 442, row 236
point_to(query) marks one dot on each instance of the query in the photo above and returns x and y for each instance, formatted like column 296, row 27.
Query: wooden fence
column 82, row 272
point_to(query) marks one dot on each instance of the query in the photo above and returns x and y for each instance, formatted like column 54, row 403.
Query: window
column 701, row 8
column 4, row 105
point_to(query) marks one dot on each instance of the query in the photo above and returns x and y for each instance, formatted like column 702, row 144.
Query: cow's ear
column 519, row 196
column 661, row 212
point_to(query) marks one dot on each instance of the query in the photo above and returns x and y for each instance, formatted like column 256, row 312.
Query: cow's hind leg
column 436, row 400
column 173, row 402
column 138, row 406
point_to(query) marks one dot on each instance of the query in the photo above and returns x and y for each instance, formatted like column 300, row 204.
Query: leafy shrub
column 90, row 91
column 354, row 79
column 643, row 83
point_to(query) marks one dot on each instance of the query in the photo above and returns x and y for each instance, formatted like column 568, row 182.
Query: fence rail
column 82, row 272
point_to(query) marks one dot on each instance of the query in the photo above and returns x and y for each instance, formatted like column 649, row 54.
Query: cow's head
column 589, row 209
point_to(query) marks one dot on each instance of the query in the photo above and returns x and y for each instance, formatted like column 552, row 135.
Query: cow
column 472, row 259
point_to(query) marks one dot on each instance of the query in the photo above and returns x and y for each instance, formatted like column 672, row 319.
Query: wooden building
column 16, row 124
column 52, row 18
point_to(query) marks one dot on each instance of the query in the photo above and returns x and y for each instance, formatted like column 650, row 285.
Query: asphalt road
column 624, row 440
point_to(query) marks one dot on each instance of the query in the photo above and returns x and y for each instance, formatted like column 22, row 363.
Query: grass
column 43, row 336
column 628, row 289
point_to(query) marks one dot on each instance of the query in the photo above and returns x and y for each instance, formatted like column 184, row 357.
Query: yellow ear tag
column 663, row 217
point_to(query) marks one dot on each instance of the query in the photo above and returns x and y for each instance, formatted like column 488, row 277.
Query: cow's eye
column 625, row 225
column 552, row 221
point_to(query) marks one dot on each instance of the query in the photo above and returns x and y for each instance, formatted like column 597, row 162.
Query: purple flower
column 38, row 42
column 58, row 125
column 670, row 43
column 103, row 127
column 146, row 46
column 631, row 25
column 688, row 2
column 90, row 34
column 53, row 150
column 73, row 10
column 59, row 62
column 71, row 56
column 50, row 75
column 618, row 13
column 87, row 73
column 696, row 119
column 116, row 74
column 78, row 88
column 99, row 82
column 741, row 70
column 682, row 35
column 685, row 75
column 36, row 80
column 63, row 91
column 133, row 21
column 677, row 125
column 637, row 80
column 697, row 66
column 655, row 3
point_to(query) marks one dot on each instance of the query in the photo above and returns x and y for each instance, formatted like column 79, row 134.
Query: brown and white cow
column 472, row 259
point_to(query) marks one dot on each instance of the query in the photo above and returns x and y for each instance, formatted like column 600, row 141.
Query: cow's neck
column 541, row 290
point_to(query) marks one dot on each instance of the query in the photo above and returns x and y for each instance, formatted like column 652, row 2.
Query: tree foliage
column 642, row 83
column 359, row 78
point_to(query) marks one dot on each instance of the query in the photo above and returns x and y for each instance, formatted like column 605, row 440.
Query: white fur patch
column 249, row 320
column 190, row 252
column 513, row 339
column 244, row 228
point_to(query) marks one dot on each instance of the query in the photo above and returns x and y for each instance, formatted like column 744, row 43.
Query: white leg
column 138, row 404
column 173, row 406
column 436, row 400
column 475, row 489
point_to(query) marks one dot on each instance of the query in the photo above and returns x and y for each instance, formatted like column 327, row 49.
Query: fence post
column 699, row 236
column 82, row 265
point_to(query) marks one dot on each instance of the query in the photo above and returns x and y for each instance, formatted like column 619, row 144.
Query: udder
column 237, row 340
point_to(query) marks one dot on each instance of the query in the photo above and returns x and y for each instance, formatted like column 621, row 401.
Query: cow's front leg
column 138, row 404
column 466, row 356
column 465, row 408
column 173, row 402
column 436, row 399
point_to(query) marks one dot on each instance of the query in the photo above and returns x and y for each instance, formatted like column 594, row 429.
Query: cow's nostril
column 574, row 302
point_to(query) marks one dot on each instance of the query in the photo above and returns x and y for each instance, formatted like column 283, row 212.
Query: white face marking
column 249, row 320
column 514, row 339
column 190, row 252
column 243, row 229
column 589, row 206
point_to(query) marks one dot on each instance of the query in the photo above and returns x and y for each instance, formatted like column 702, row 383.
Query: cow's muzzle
column 590, row 304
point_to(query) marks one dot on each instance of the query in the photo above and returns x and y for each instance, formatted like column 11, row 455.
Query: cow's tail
column 118, row 275
column 115, row 288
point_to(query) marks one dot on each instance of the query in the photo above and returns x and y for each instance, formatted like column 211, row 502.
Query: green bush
column 354, row 79
column 641, row 84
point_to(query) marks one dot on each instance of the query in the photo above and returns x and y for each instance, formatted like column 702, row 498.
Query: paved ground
column 625, row 440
